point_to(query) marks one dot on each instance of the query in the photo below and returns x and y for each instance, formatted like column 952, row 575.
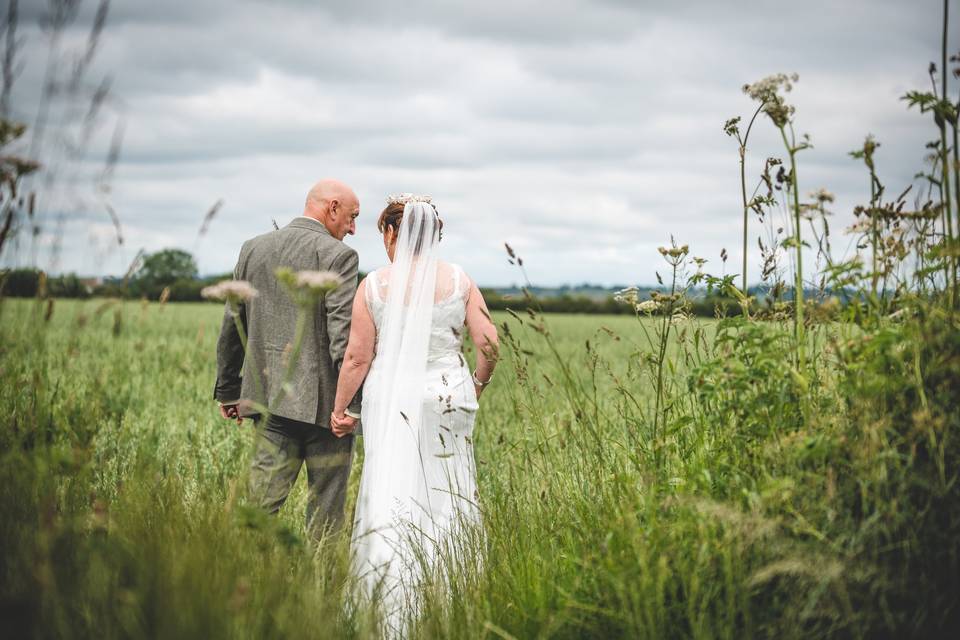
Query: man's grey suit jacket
column 270, row 321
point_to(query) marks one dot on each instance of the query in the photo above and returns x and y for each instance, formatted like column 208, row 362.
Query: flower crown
column 404, row 198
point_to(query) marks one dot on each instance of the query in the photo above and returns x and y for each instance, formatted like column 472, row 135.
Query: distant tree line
column 567, row 303
column 28, row 283
column 172, row 274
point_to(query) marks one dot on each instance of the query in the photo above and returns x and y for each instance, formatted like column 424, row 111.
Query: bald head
column 335, row 205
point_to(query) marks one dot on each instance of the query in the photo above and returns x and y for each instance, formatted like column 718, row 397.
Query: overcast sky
column 582, row 132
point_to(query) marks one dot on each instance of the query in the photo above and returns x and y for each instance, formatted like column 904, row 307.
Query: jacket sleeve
column 339, row 303
column 339, row 307
column 230, row 351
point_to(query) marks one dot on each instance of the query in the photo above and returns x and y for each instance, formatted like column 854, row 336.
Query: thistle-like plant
column 768, row 92
column 817, row 211
column 865, row 153
column 670, row 307
column 944, row 112
column 732, row 128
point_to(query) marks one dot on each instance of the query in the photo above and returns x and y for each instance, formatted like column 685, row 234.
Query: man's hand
column 342, row 425
column 231, row 412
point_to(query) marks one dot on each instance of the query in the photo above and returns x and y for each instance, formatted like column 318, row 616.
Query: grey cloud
column 583, row 132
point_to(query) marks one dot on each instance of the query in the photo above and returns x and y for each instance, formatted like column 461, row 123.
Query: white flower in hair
column 405, row 198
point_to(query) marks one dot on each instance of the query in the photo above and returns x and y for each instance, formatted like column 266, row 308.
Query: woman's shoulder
column 374, row 283
column 379, row 274
column 454, row 268
column 455, row 280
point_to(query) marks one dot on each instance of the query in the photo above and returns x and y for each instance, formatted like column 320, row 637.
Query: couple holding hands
column 384, row 356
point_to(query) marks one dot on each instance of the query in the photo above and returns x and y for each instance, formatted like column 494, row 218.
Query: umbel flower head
column 863, row 225
column 325, row 281
column 630, row 296
column 822, row 196
column 768, row 93
column 648, row 306
column 233, row 291
column 627, row 296
column 306, row 287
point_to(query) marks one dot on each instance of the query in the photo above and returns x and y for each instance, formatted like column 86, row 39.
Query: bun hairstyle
column 392, row 215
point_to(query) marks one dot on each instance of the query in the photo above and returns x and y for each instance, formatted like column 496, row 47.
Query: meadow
column 790, row 470
column 121, row 489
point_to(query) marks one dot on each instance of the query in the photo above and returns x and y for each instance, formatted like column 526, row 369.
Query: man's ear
column 334, row 205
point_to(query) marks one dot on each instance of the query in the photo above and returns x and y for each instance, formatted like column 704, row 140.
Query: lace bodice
column 449, row 309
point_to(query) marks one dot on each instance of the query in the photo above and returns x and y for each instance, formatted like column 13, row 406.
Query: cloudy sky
column 582, row 132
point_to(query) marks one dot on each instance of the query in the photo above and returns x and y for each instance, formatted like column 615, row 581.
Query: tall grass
column 792, row 472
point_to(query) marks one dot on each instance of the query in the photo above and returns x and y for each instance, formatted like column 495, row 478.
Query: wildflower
column 230, row 290
column 731, row 128
column 822, row 196
column 627, row 296
column 325, row 281
column 809, row 211
column 767, row 92
column 647, row 306
column 665, row 297
column 861, row 226
column 307, row 287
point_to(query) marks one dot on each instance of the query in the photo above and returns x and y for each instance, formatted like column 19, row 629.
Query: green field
column 150, row 382
column 759, row 502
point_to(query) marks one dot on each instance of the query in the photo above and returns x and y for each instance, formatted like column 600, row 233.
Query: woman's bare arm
column 484, row 335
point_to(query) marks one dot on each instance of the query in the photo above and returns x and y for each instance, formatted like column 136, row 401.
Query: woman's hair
column 392, row 215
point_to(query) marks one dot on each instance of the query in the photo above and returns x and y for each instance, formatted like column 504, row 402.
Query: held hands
column 343, row 425
column 231, row 412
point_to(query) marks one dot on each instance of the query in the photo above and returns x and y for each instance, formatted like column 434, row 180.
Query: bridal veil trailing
column 418, row 485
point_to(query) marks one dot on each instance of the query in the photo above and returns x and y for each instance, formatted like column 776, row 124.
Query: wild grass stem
column 798, row 320
column 743, row 193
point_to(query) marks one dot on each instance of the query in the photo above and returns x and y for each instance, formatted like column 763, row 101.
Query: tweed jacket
column 270, row 322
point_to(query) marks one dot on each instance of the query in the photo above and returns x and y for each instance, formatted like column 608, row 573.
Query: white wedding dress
column 418, row 494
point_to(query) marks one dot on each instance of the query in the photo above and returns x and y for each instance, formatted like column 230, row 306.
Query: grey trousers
column 283, row 446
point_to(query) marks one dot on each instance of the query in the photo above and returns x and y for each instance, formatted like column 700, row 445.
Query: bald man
column 297, row 431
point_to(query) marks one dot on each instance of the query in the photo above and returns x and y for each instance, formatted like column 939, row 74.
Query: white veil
column 393, row 522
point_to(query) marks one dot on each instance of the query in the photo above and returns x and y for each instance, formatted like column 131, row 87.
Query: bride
column 418, row 487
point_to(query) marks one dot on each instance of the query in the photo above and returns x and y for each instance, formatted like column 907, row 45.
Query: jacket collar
column 303, row 222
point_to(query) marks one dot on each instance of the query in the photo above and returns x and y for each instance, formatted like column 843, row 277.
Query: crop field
column 151, row 368
column 123, row 513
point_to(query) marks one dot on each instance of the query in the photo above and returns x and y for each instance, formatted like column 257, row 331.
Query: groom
column 297, row 431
